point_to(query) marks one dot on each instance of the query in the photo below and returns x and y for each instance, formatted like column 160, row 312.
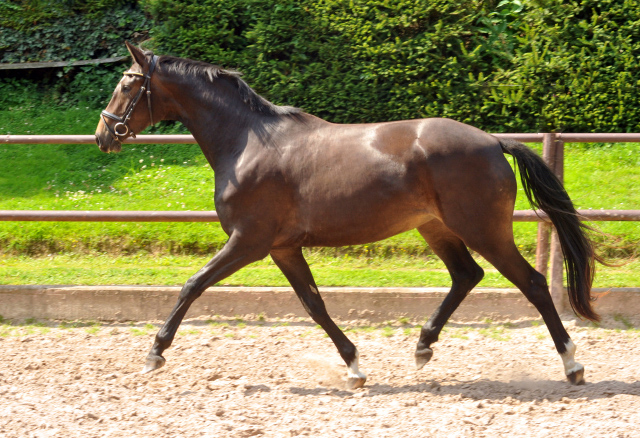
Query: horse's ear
column 137, row 55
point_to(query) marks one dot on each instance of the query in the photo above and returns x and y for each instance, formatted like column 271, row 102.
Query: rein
column 121, row 130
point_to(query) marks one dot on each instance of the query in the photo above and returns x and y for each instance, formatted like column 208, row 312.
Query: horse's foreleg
column 236, row 254
column 293, row 265
column 465, row 274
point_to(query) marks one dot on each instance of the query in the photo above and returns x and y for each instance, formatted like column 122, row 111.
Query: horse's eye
column 126, row 88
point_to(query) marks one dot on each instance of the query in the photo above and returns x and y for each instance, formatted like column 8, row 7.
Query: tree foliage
column 502, row 65
column 512, row 65
column 65, row 30
column 59, row 30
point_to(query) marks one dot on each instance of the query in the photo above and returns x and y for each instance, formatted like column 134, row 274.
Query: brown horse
column 285, row 179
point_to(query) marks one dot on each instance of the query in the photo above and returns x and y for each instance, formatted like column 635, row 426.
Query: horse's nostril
column 97, row 140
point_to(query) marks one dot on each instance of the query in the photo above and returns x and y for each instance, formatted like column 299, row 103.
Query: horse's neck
column 217, row 118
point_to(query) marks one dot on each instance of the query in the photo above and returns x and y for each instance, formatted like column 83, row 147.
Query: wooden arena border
column 548, row 251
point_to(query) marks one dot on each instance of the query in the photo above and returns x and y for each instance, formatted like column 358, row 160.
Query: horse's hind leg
column 293, row 265
column 465, row 274
column 503, row 254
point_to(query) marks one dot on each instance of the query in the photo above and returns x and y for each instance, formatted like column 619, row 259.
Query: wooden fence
column 548, row 251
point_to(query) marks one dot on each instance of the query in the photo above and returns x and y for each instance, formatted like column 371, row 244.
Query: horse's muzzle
column 108, row 144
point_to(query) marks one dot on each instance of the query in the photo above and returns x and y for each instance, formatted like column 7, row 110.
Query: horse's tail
column 545, row 192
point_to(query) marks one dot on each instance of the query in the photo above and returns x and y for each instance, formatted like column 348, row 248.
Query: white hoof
column 572, row 369
column 355, row 378
column 356, row 382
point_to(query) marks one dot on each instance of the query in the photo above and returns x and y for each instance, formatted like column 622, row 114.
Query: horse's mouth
column 112, row 146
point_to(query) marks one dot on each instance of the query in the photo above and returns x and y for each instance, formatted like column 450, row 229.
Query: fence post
column 544, row 228
column 557, row 259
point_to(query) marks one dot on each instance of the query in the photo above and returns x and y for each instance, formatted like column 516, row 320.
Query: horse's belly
column 355, row 229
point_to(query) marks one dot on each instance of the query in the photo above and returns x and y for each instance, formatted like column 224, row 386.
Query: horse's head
column 130, row 109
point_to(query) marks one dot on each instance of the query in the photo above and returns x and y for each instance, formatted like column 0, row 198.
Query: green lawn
column 140, row 269
column 177, row 177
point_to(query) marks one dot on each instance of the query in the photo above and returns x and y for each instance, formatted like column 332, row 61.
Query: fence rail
column 91, row 139
column 548, row 251
column 188, row 139
column 54, row 64
column 212, row 216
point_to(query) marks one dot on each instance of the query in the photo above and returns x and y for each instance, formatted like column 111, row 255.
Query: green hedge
column 508, row 66
column 347, row 62
column 34, row 31
column 65, row 30
column 575, row 68
column 504, row 66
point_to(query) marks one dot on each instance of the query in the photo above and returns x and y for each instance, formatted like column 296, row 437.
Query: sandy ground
column 285, row 379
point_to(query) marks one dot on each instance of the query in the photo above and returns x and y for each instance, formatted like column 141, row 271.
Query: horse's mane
column 210, row 73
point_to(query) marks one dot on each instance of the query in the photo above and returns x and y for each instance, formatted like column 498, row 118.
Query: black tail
column 545, row 192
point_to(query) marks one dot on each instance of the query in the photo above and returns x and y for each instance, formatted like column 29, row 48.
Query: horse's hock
column 365, row 304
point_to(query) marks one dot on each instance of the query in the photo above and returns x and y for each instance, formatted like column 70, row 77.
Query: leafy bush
column 32, row 30
column 347, row 62
column 504, row 66
column 574, row 69
column 66, row 30
column 509, row 66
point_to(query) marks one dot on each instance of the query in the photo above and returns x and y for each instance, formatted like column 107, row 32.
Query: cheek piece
column 121, row 130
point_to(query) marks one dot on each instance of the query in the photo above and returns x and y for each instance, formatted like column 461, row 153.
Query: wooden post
column 544, row 228
column 557, row 259
column 542, row 248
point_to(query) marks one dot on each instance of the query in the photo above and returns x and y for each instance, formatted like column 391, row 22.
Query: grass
column 139, row 269
column 177, row 177
column 388, row 331
column 231, row 328
column 188, row 332
column 499, row 333
column 459, row 333
column 624, row 321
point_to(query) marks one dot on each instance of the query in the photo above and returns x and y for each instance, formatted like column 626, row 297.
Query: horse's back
column 440, row 153
column 416, row 142
column 360, row 183
column 447, row 136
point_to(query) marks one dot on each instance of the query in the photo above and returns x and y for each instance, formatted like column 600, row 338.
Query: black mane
column 211, row 72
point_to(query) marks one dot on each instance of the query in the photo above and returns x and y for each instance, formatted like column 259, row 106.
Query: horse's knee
column 191, row 290
column 468, row 278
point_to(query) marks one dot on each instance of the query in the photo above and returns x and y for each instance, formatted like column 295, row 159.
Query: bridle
column 121, row 130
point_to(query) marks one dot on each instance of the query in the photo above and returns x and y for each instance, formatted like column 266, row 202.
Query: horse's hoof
column 355, row 382
column 576, row 377
column 423, row 356
column 153, row 363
